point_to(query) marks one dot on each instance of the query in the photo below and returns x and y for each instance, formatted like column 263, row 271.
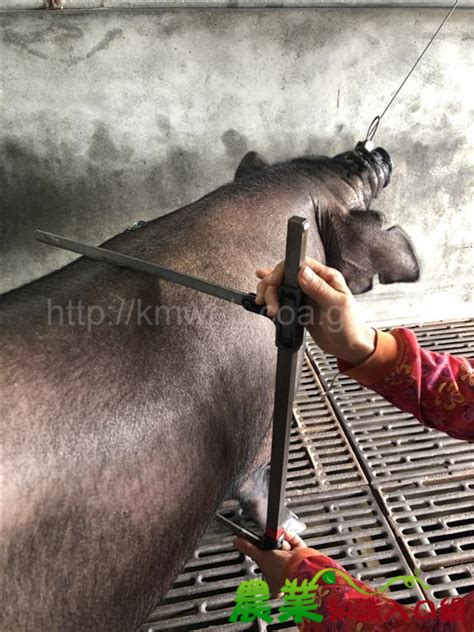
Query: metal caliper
column 288, row 339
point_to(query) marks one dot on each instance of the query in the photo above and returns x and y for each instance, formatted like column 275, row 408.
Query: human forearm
column 437, row 388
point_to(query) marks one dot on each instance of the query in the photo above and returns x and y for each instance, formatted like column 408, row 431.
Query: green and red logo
column 340, row 598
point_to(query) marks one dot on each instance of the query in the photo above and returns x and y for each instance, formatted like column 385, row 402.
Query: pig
column 132, row 406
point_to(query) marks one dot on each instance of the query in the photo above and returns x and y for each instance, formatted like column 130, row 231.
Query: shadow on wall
column 90, row 197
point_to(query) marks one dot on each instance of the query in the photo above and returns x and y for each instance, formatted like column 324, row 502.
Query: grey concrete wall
column 113, row 116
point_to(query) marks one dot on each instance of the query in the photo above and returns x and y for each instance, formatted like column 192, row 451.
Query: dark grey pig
column 132, row 407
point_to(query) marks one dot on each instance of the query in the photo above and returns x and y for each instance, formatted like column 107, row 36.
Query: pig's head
column 353, row 235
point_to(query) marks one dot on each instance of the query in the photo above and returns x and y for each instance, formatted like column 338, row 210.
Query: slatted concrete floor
column 378, row 492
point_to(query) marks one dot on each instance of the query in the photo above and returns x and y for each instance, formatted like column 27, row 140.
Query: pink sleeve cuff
column 387, row 355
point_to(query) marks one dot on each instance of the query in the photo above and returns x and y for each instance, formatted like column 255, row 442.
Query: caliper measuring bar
column 289, row 337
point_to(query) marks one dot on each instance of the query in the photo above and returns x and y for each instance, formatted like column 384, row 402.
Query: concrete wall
column 113, row 116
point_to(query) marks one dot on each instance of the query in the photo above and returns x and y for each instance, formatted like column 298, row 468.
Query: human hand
column 272, row 563
column 336, row 325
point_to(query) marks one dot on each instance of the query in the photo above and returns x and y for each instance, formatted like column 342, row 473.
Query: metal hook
column 373, row 127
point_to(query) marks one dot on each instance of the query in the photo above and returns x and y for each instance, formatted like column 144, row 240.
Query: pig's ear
column 250, row 164
column 361, row 248
column 401, row 263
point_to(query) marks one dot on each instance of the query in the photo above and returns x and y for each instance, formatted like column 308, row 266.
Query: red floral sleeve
column 437, row 388
column 348, row 605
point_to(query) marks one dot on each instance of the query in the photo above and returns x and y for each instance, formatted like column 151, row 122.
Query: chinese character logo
column 251, row 602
